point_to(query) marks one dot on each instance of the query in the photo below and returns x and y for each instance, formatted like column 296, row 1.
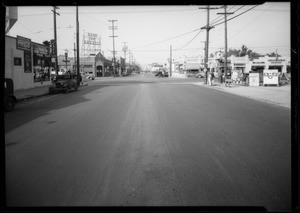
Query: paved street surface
column 145, row 141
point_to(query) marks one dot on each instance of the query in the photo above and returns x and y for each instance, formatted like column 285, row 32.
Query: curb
column 217, row 87
column 40, row 95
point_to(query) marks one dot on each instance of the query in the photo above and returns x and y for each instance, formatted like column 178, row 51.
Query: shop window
column 279, row 68
column 17, row 61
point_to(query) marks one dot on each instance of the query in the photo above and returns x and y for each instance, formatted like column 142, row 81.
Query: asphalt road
column 142, row 141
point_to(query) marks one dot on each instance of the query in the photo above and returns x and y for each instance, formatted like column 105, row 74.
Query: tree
column 272, row 54
column 46, row 43
column 233, row 52
column 255, row 55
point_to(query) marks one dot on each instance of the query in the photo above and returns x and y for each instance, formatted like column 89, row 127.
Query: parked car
column 159, row 74
column 90, row 76
column 200, row 75
column 63, row 83
column 162, row 73
column 9, row 97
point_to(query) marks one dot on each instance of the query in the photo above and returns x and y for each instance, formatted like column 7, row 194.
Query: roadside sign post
column 270, row 77
column 254, row 79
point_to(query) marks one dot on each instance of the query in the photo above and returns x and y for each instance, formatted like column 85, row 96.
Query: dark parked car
column 9, row 97
column 162, row 73
column 63, row 83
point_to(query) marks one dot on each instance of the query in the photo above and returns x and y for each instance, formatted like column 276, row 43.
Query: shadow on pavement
column 29, row 110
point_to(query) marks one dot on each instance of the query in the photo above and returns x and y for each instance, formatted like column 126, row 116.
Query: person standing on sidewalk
column 212, row 72
column 228, row 79
column 209, row 76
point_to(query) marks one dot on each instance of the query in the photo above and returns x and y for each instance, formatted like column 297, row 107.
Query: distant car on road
column 63, row 83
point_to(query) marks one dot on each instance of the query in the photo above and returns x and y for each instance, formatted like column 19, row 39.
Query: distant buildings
column 31, row 64
column 186, row 65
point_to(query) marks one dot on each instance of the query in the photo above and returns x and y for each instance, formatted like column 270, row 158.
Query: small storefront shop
column 26, row 63
column 41, row 62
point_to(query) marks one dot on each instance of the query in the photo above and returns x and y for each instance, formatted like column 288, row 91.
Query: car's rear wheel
column 9, row 104
column 51, row 90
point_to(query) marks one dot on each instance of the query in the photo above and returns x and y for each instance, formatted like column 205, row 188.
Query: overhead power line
column 236, row 16
column 220, row 17
column 166, row 39
column 223, row 18
column 189, row 41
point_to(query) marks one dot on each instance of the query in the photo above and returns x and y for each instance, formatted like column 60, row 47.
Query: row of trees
column 246, row 51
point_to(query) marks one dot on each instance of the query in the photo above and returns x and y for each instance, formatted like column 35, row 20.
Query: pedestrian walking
column 223, row 77
column 228, row 79
column 209, row 76
column 212, row 72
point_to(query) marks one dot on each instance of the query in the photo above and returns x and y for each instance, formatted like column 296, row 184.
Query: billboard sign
column 270, row 76
column 254, row 79
column 41, row 50
column 23, row 43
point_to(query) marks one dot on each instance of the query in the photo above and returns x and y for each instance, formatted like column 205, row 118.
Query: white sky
column 148, row 29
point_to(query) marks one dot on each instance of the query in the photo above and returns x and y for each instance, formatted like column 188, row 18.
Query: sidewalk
column 272, row 94
column 23, row 94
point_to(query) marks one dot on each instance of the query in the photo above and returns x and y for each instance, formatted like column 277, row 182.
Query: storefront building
column 41, row 63
column 27, row 63
column 279, row 63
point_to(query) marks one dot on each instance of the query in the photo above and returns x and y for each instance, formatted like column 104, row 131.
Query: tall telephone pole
column 113, row 28
column 171, row 61
column 66, row 59
column 130, row 61
column 225, row 51
column 125, row 50
column 74, row 69
column 55, row 37
column 77, row 44
column 207, row 27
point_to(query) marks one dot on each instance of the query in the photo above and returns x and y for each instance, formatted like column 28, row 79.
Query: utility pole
column 74, row 68
column 66, row 59
column 204, row 52
column 207, row 27
column 55, row 37
column 130, row 61
column 77, row 42
column 125, row 50
column 113, row 28
column 171, row 61
column 225, row 51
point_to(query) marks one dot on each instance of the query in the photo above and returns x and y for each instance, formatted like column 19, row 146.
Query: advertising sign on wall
column 23, row 43
column 270, row 76
column 41, row 50
column 27, row 62
column 254, row 79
